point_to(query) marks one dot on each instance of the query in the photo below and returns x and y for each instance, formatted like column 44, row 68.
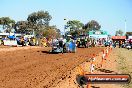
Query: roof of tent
column 118, row 37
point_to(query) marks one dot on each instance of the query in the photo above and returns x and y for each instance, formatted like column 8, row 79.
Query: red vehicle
column 130, row 41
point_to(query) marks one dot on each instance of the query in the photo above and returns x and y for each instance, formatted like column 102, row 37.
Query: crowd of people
column 23, row 41
column 67, row 44
column 63, row 45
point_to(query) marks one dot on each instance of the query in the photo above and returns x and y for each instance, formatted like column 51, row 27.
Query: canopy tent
column 11, row 37
column 118, row 37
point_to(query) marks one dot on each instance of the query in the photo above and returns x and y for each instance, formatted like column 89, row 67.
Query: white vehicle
column 128, row 46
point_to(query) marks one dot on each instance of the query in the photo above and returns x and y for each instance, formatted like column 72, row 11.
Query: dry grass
column 125, row 63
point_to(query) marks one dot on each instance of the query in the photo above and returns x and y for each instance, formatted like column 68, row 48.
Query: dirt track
column 35, row 68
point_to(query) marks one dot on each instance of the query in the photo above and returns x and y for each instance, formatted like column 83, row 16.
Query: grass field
column 125, row 63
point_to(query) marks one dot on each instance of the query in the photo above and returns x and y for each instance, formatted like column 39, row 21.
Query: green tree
column 51, row 32
column 75, row 26
column 128, row 33
column 7, row 23
column 21, row 27
column 38, row 22
column 119, row 33
column 92, row 25
column 39, row 19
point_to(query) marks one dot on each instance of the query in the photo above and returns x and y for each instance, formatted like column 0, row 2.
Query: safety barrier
column 10, row 42
column 94, row 63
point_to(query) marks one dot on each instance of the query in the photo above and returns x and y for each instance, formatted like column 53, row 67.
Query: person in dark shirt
column 61, row 45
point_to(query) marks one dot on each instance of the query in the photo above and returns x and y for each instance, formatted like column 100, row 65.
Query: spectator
column 114, row 44
column 22, row 41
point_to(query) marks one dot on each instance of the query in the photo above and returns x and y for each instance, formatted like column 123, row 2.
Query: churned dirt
column 34, row 67
column 119, row 61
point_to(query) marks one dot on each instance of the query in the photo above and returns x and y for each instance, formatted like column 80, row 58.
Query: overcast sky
column 111, row 14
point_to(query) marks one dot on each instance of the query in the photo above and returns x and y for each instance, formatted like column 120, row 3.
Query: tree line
column 38, row 23
column 76, row 27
